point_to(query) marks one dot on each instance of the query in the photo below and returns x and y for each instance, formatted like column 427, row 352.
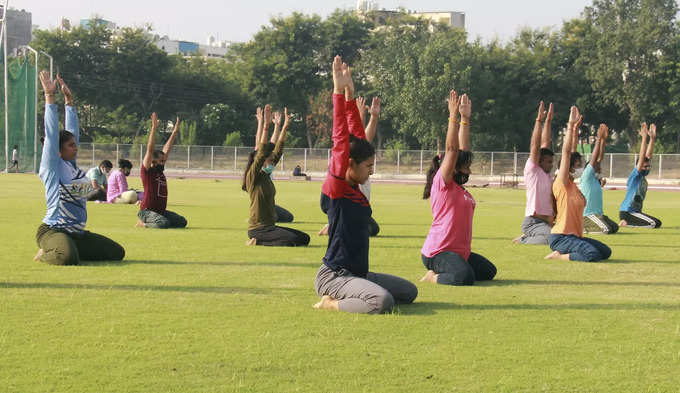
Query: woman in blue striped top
column 62, row 237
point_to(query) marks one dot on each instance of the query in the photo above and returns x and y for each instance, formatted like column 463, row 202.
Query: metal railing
column 388, row 163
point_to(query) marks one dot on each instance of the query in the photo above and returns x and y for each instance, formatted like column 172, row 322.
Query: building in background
column 91, row 22
column 370, row 10
column 19, row 28
column 213, row 48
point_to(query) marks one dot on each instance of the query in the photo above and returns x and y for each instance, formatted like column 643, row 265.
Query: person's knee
column 605, row 252
column 382, row 303
column 181, row 222
column 303, row 239
column 410, row 294
column 489, row 273
column 657, row 223
column 65, row 256
column 117, row 252
column 373, row 229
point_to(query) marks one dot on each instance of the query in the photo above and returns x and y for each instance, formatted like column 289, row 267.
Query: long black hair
column 464, row 158
column 251, row 159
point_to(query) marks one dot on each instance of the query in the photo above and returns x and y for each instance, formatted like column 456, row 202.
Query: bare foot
column 326, row 303
column 324, row 231
column 623, row 223
column 38, row 255
column 430, row 276
column 557, row 255
column 517, row 239
column 251, row 242
column 139, row 224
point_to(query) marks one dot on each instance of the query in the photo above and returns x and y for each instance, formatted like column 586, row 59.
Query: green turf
column 196, row 311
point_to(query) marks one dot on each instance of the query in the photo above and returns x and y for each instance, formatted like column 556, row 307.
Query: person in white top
column 15, row 160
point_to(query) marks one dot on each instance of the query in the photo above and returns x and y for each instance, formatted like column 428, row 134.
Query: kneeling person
column 594, row 220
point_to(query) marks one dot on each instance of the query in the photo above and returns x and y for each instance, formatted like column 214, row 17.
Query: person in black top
column 344, row 281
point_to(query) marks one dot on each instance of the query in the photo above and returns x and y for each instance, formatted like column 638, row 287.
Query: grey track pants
column 535, row 231
column 375, row 294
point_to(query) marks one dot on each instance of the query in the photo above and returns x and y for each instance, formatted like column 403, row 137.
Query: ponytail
column 436, row 163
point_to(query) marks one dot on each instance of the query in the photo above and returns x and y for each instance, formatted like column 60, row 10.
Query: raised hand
column 339, row 79
column 154, row 121
column 277, row 118
column 267, row 115
column 375, row 107
column 550, row 114
column 541, row 116
column 603, row 132
column 349, row 87
column 49, row 86
column 643, row 130
column 454, row 104
column 286, row 118
column 574, row 117
column 65, row 90
column 258, row 114
column 177, row 121
column 652, row 131
column 465, row 107
column 361, row 105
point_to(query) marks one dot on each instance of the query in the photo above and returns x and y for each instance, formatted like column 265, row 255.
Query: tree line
column 619, row 61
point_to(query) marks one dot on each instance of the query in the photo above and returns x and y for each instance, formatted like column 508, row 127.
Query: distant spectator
column 117, row 188
column 97, row 177
column 15, row 160
column 298, row 171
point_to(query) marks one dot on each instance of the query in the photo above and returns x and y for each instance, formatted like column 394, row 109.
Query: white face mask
column 577, row 173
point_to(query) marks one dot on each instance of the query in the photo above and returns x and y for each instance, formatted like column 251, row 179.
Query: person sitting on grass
column 594, row 220
column 117, row 190
column 97, row 176
column 539, row 214
column 566, row 240
column 344, row 280
column 62, row 237
column 153, row 212
column 446, row 252
column 282, row 214
column 630, row 213
column 257, row 182
column 357, row 129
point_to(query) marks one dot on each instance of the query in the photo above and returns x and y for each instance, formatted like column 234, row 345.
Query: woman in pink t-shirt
column 446, row 252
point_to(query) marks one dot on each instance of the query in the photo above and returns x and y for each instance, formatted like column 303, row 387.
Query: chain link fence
column 388, row 163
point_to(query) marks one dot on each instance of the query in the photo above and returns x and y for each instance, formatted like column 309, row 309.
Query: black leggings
column 452, row 269
column 640, row 219
column 278, row 237
column 283, row 215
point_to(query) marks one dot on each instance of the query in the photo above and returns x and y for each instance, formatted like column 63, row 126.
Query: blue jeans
column 580, row 248
column 452, row 269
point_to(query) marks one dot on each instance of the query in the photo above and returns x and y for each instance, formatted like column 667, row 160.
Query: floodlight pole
column 35, row 124
column 3, row 35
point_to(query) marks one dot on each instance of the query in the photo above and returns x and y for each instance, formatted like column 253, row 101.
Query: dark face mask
column 645, row 172
column 461, row 178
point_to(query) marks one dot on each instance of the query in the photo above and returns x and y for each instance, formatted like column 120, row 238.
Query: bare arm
column 148, row 157
column 598, row 152
column 644, row 133
column 563, row 174
column 258, row 134
column 171, row 141
column 448, row 165
column 267, row 120
column 277, row 126
column 278, row 148
column 536, row 138
column 361, row 105
column 372, row 127
column 652, row 139
column 575, row 134
column 546, row 136
column 465, row 110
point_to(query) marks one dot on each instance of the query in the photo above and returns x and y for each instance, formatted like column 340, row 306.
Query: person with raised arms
column 566, row 239
column 153, row 212
column 282, row 214
column 538, row 213
column 446, row 253
column 594, row 219
column 344, row 280
column 630, row 213
column 62, row 237
column 257, row 181
column 369, row 135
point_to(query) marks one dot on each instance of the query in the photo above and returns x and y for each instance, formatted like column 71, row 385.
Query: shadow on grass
column 401, row 237
column 424, row 308
column 569, row 306
column 146, row 288
column 230, row 263
column 501, row 283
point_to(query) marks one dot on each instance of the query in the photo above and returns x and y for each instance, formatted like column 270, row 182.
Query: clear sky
column 195, row 20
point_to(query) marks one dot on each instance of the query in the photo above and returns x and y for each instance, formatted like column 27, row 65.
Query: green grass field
column 195, row 310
